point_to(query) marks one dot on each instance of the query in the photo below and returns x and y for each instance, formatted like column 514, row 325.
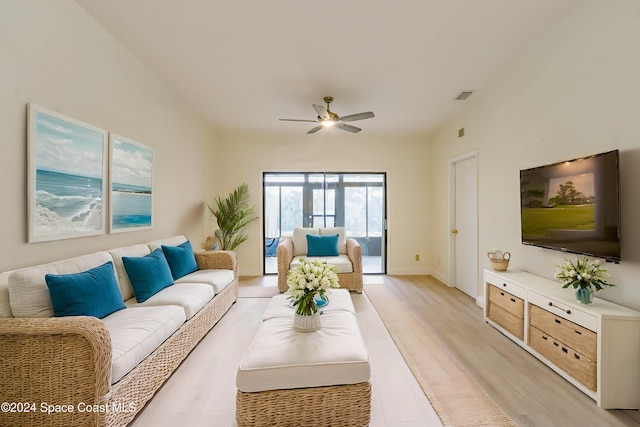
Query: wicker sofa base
column 159, row 366
column 76, row 345
column 340, row 406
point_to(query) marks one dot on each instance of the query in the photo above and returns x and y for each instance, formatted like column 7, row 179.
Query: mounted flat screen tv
column 573, row 206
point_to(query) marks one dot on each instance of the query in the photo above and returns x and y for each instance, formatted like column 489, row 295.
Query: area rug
column 455, row 396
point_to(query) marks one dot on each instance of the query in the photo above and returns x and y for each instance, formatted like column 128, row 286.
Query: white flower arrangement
column 582, row 274
column 309, row 279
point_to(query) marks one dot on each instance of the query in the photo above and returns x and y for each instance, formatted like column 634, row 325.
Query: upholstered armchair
column 347, row 257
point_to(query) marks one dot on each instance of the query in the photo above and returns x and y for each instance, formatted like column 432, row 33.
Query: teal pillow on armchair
column 322, row 245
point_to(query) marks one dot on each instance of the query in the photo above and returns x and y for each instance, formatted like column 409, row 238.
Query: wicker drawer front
column 586, row 320
column 575, row 336
column 505, row 285
column 564, row 357
column 506, row 301
column 507, row 320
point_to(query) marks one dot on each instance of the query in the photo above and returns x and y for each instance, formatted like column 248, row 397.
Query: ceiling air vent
column 463, row 96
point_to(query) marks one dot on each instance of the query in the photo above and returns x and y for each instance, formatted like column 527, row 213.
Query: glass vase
column 584, row 295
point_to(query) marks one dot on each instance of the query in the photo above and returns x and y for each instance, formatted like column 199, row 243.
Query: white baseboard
column 441, row 278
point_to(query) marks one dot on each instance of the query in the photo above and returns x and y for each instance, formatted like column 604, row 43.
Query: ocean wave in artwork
column 48, row 221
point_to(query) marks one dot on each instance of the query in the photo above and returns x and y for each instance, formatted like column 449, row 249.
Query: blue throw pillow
column 322, row 245
column 90, row 293
column 148, row 274
column 181, row 259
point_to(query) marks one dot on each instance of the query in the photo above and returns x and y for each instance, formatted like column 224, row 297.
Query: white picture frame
column 130, row 185
column 67, row 176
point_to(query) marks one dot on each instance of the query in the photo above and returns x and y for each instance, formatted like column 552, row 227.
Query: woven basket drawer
column 506, row 301
column 564, row 357
column 575, row 336
column 507, row 320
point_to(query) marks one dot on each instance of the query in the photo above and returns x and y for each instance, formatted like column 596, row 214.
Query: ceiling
column 244, row 64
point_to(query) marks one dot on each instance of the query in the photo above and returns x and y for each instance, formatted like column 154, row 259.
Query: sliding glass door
column 355, row 201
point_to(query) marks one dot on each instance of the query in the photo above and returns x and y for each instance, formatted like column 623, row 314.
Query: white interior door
column 464, row 230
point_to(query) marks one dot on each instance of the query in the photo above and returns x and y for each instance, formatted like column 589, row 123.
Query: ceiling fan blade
column 298, row 120
column 347, row 127
column 359, row 116
column 322, row 112
column 315, row 129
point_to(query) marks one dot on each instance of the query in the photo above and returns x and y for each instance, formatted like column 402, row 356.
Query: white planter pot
column 306, row 323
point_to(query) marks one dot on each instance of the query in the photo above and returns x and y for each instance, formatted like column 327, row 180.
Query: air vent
column 463, row 96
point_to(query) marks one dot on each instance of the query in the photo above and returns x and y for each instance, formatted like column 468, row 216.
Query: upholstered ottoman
column 321, row 378
column 281, row 306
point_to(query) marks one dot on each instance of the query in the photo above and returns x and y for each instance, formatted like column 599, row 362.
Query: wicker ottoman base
column 339, row 405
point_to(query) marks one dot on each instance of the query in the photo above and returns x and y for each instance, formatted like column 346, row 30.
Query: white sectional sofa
column 82, row 370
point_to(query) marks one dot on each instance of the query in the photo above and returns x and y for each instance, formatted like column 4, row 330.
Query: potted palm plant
column 233, row 214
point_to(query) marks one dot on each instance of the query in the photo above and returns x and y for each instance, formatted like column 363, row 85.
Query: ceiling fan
column 328, row 118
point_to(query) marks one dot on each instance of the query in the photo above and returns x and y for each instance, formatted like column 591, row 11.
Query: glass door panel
column 355, row 201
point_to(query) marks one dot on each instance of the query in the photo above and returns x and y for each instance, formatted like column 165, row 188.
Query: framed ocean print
column 131, row 184
column 67, row 166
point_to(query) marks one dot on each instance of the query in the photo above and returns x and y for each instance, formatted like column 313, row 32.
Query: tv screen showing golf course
column 573, row 206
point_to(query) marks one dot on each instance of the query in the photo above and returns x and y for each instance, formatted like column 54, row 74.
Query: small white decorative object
column 306, row 323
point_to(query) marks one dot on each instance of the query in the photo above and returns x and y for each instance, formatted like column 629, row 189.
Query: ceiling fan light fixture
column 327, row 118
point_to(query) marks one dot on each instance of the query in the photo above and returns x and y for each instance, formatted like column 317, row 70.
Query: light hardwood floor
column 202, row 391
column 526, row 389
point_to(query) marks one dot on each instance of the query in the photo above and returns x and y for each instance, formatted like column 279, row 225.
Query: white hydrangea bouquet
column 583, row 274
column 309, row 279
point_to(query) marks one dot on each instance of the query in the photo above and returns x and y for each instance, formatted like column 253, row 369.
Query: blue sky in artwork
column 66, row 147
column 131, row 163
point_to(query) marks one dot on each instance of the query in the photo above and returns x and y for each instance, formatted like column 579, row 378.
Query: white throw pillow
column 28, row 291
column 300, row 240
column 123, row 278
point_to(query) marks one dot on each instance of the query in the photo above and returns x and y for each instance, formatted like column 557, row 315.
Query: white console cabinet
column 595, row 347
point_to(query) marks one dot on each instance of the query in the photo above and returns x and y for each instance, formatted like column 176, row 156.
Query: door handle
column 454, row 231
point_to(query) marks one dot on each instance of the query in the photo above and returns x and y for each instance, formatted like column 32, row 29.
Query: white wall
column 52, row 53
column 574, row 93
column 404, row 159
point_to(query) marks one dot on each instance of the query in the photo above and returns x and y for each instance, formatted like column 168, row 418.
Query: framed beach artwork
column 67, row 176
column 131, row 182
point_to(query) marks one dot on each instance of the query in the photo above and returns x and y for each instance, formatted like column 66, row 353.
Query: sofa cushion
column 136, row 332
column 28, row 292
column 300, row 239
column 322, row 245
column 148, row 274
column 282, row 306
column 190, row 296
column 90, row 293
column 341, row 261
column 123, row 278
column 181, row 259
column 342, row 237
column 217, row 279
